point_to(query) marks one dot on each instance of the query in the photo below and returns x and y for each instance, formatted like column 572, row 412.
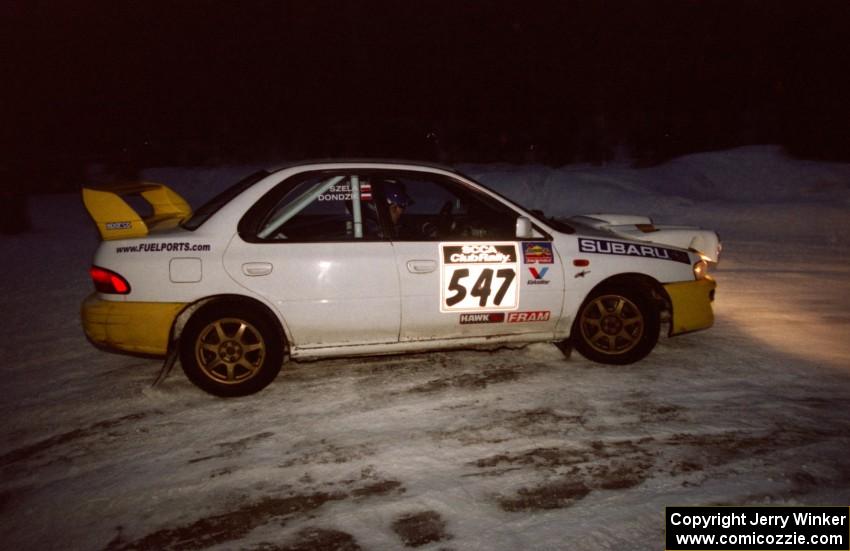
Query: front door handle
column 421, row 266
column 253, row 269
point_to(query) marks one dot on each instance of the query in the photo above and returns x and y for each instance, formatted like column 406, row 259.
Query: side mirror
column 524, row 229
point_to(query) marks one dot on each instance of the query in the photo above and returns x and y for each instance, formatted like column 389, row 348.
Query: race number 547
column 479, row 276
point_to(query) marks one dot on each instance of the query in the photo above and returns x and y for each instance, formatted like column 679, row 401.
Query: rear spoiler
column 116, row 219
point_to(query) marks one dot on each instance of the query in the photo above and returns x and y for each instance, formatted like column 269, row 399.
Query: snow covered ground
column 510, row 449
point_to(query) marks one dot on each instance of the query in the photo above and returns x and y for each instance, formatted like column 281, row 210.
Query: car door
column 313, row 250
column 462, row 271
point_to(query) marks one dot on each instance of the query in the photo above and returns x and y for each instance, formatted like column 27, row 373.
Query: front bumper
column 690, row 303
column 137, row 327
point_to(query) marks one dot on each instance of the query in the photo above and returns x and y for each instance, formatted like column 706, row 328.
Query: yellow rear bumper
column 138, row 327
column 691, row 305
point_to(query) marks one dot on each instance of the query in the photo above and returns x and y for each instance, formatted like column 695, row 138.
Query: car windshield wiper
column 559, row 225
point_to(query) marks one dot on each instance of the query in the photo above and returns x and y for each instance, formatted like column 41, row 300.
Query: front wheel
column 616, row 325
column 229, row 348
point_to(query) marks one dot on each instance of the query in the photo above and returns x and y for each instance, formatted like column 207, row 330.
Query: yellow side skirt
column 691, row 305
column 138, row 327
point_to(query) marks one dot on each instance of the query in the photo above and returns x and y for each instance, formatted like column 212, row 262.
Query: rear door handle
column 421, row 266
column 253, row 269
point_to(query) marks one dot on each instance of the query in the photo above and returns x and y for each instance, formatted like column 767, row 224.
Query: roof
column 350, row 161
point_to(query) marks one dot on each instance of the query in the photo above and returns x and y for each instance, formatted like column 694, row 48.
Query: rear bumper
column 136, row 327
column 691, row 305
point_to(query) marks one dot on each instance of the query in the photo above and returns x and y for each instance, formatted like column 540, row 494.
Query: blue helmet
column 396, row 194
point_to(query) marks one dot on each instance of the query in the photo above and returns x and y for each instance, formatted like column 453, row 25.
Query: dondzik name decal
column 620, row 248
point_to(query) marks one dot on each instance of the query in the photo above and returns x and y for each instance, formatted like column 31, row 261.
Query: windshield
column 211, row 207
column 557, row 225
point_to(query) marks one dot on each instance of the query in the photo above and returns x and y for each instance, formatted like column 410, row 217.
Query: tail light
column 107, row 281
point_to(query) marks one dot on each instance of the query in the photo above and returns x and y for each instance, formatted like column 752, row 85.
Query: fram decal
column 538, row 275
column 537, row 253
column 482, row 318
column 599, row 246
column 523, row 317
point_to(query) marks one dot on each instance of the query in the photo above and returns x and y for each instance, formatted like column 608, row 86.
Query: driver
column 397, row 201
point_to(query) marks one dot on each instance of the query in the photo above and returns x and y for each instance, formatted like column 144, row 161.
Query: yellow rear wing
column 116, row 219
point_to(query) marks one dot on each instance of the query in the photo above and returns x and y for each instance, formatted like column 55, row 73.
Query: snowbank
column 752, row 192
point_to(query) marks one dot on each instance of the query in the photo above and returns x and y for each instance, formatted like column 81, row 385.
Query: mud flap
column 566, row 347
column 168, row 364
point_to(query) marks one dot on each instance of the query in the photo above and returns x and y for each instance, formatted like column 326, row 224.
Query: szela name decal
column 600, row 246
column 478, row 276
column 342, row 192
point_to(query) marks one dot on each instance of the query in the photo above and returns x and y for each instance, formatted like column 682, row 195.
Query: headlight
column 700, row 269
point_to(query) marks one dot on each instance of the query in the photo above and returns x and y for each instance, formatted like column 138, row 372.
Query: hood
column 642, row 229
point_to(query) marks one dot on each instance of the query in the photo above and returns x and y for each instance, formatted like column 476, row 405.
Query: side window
column 321, row 208
column 440, row 209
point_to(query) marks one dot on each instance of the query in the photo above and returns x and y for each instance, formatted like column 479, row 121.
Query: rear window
column 211, row 207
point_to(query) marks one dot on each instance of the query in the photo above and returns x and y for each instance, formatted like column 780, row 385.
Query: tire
column 231, row 348
column 616, row 325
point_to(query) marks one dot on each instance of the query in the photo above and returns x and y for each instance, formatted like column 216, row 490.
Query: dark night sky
column 169, row 81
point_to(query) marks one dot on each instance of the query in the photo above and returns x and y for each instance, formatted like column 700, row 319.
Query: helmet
column 396, row 194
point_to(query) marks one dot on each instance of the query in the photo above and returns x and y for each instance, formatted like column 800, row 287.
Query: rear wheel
column 230, row 348
column 616, row 325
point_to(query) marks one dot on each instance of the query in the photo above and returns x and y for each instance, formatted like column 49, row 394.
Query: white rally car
column 349, row 258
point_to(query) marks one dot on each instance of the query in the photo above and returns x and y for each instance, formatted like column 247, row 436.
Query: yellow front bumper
column 138, row 327
column 691, row 305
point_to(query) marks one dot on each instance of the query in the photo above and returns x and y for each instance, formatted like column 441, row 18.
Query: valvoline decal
column 538, row 275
